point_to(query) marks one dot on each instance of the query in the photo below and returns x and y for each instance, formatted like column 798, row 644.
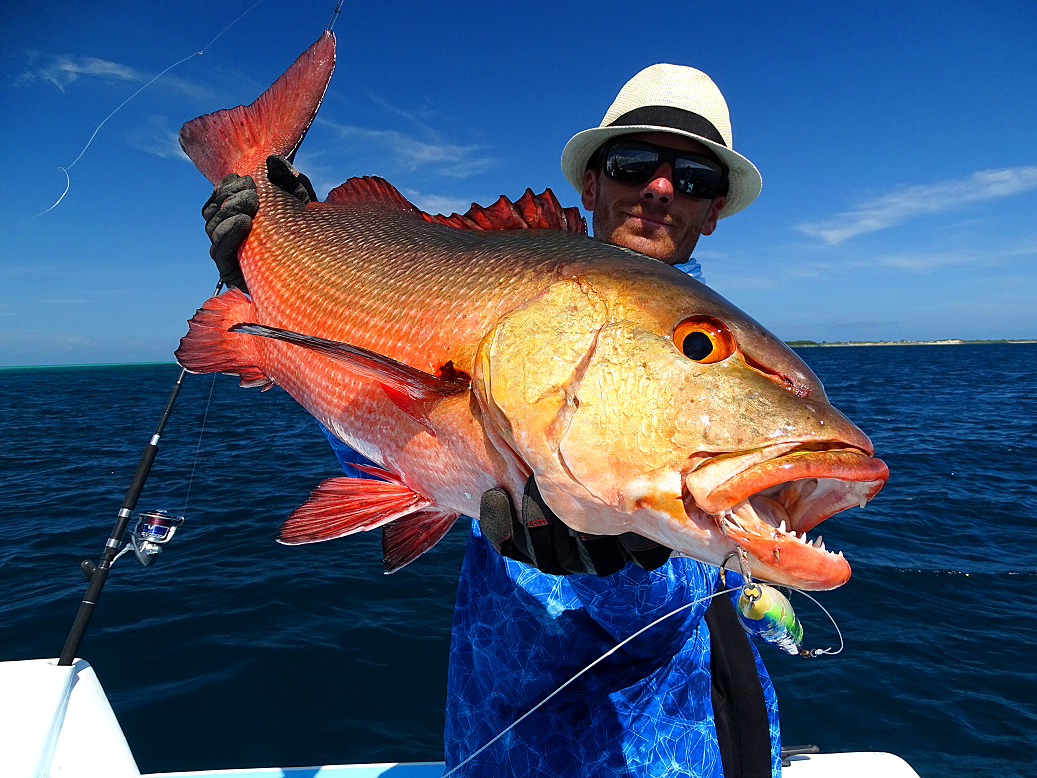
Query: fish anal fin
column 238, row 140
column 405, row 540
column 342, row 506
column 208, row 347
column 413, row 391
column 529, row 212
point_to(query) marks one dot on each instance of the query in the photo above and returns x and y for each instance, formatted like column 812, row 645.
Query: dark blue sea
column 234, row 651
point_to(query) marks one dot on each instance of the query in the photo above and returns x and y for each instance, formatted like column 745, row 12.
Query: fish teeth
column 781, row 527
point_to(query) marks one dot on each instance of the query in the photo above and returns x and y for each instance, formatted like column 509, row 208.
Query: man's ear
column 590, row 187
column 715, row 208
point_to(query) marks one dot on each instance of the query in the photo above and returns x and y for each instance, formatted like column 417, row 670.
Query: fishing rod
column 153, row 530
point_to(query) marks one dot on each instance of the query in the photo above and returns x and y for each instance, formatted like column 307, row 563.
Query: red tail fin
column 238, row 140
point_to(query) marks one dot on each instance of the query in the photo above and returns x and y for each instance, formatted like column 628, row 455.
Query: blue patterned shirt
column 647, row 710
column 519, row 634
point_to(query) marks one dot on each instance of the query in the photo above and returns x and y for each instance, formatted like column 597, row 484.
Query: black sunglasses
column 634, row 162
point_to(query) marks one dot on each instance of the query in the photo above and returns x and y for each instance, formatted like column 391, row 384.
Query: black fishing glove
column 280, row 173
column 228, row 213
column 228, row 220
column 539, row 538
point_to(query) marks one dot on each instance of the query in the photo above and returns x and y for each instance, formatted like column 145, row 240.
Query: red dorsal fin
column 208, row 347
column 414, row 391
column 405, row 540
column 237, row 140
column 544, row 210
column 342, row 506
column 371, row 189
column 502, row 215
column 530, row 212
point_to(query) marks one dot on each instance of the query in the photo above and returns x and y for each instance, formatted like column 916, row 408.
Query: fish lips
column 767, row 508
column 843, row 478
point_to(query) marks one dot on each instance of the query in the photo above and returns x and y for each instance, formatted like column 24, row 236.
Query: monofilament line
column 68, row 180
column 825, row 651
column 194, row 465
column 601, row 658
column 334, row 15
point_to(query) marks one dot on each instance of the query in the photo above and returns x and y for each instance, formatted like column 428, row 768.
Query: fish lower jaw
column 778, row 554
column 742, row 520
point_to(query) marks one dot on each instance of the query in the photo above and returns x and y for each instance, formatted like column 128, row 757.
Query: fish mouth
column 773, row 497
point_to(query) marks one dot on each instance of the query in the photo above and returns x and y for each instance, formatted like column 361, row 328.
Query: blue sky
column 896, row 142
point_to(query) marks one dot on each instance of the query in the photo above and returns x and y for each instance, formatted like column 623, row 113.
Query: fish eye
column 704, row 339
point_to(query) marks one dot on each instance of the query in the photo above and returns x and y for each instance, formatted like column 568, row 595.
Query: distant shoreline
column 87, row 365
column 949, row 342
column 792, row 343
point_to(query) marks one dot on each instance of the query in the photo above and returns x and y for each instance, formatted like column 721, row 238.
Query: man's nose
column 660, row 187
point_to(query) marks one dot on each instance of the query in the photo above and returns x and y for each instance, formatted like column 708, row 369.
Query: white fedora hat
column 675, row 99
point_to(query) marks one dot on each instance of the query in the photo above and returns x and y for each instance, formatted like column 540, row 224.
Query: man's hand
column 540, row 538
column 228, row 220
column 229, row 211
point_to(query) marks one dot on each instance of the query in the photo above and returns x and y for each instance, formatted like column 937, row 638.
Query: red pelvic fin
column 529, row 212
column 371, row 189
column 413, row 391
column 209, row 348
column 405, row 540
column 342, row 506
column 237, row 140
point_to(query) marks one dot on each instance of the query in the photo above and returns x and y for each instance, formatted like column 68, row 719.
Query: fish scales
column 571, row 366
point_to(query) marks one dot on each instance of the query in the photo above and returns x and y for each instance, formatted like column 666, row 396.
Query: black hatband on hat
column 675, row 118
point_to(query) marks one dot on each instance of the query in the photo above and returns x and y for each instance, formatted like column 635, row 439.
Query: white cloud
column 410, row 153
column 432, row 203
column 901, row 205
column 158, row 138
column 65, row 69
column 966, row 260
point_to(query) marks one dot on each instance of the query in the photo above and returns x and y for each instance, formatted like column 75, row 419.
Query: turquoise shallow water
column 232, row 650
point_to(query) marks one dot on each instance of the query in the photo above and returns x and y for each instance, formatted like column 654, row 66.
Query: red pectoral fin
column 342, row 506
column 208, row 347
column 412, row 390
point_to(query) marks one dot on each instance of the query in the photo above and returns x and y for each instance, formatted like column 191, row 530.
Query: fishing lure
column 766, row 613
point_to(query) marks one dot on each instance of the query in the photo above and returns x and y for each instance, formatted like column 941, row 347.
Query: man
column 684, row 698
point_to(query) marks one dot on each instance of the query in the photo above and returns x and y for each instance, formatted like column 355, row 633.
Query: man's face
column 652, row 217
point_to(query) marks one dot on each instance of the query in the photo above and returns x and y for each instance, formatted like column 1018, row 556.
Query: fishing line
column 68, row 180
column 824, row 651
column 601, row 658
column 205, row 416
column 334, row 15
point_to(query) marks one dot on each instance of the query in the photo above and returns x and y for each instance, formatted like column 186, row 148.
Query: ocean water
column 232, row 650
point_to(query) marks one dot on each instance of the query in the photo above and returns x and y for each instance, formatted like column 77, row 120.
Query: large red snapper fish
column 464, row 353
